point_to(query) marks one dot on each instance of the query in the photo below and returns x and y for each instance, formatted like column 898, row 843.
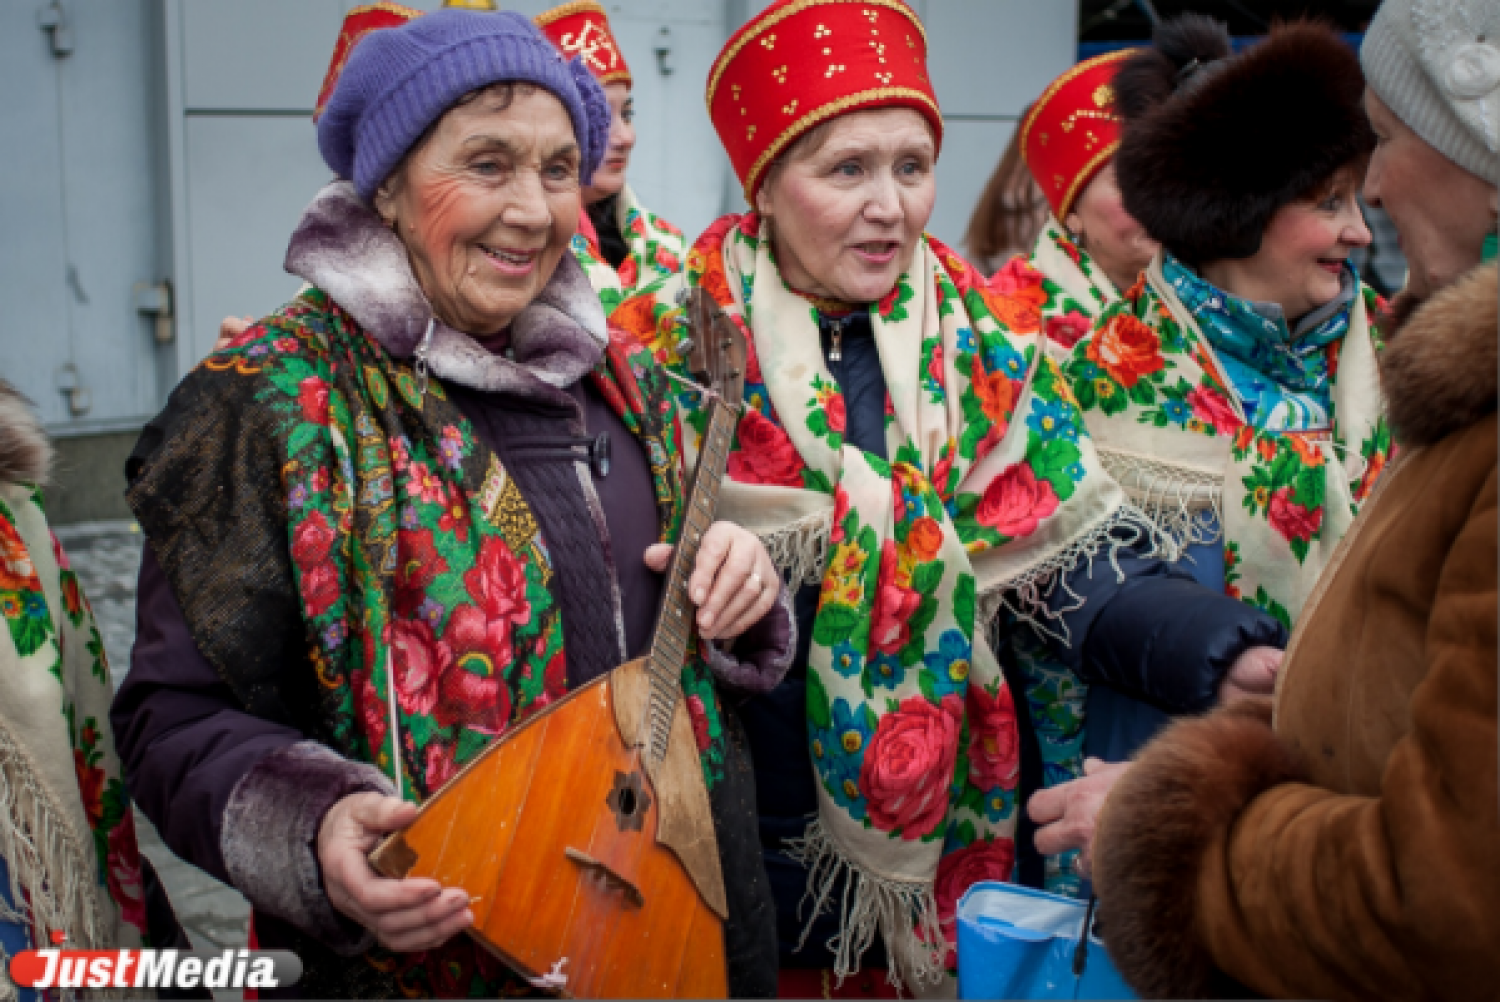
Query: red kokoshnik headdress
column 358, row 23
column 1072, row 130
column 581, row 28
column 801, row 62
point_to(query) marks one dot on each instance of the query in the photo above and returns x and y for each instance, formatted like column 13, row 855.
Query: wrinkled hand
column 734, row 584
column 1252, row 676
column 404, row 915
column 231, row 328
column 1067, row 813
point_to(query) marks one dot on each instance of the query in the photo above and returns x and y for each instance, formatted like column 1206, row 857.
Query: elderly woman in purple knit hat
column 413, row 506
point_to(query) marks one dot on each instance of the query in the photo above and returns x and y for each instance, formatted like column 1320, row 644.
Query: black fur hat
column 1215, row 143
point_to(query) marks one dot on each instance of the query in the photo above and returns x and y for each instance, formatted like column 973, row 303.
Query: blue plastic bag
column 1018, row 943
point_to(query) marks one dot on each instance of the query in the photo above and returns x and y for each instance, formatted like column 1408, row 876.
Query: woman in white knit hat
column 1349, row 847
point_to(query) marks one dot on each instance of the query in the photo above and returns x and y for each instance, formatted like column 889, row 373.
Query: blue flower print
column 298, row 497
column 950, row 664
column 965, row 340
column 1000, row 355
column 886, row 671
column 1053, row 419
column 848, row 738
column 432, row 611
column 409, row 519
column 1177, row 411
column 998, row 804
column 847, row 660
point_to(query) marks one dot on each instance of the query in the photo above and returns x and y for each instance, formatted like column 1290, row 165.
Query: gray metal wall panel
column 248, row 180
column 264, row 55
column 78, row 210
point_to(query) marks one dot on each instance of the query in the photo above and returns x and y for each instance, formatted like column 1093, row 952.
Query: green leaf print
column 927, row 577
column 1265, row 603
column 963, row 604
column 834, row 623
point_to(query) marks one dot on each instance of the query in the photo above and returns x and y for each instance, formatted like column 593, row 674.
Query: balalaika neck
column 675, row 630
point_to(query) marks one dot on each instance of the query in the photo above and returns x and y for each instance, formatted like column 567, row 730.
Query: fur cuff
column 762, row 655
column 271, row 831
column 1175, row 804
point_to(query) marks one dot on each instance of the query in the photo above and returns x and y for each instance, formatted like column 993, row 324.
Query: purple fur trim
column 271, row 830
column 344, row 248
column 762, row 654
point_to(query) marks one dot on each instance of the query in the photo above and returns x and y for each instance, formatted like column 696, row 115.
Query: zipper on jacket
column 836, row 340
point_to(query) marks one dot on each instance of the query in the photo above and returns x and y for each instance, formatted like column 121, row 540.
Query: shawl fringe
column 903, row 912
column 1174, row 496
column 51, row 870
column 799, row 549
column 1026, row 597
column 25, row 454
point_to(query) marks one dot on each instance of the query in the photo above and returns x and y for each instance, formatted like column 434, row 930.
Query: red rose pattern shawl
column 992, row 488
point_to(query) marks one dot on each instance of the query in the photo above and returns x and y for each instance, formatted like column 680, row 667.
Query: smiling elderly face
column 486, row 204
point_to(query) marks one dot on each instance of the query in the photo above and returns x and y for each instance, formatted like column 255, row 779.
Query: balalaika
column 583, row 834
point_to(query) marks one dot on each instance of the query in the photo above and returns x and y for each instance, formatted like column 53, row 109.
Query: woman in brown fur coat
column 1343, row 841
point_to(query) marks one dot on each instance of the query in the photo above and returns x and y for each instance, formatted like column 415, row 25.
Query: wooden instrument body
column 584, row 834
column 572, row 869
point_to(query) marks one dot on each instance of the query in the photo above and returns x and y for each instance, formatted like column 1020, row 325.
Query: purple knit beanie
column 401, row 80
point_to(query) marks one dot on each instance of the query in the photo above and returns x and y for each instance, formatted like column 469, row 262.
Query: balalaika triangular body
column 583, row 834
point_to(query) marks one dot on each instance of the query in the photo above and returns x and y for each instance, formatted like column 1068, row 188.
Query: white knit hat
column 1436, row 65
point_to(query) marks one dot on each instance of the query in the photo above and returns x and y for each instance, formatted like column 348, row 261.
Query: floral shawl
column 656, row 250
column 1176, row 436
column 67, row 833
column 1059, row 283
column 992, row 487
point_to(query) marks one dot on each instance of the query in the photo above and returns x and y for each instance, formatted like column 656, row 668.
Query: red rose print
column 1015, row 502
column 312, row 540
column 371, row 710
column 1291, row 519
column 962, row 869
column 935, row 365
column 1068, row 329
column 908, row 765
column 1126, row 349
column 925, row 538
column 833, row 407
column 1210, row 407
column 764, row 454
column 420, row 660
column 628, row 272
column 894, row 606
column 700, row 721
column 123, row 872
column 497, row 581
column 840, row 513
column 90, row 787
column 994, row 748
column 418, row 564
column 1017, row 296
column 440, row 765
column 455, row 517
column 320, row 589
column 667, row 261
column 312, row 396
column 472, row 693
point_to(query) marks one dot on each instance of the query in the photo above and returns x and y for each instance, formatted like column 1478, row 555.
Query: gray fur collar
column 25, row 453
column 344, row 248
column 1439, row 369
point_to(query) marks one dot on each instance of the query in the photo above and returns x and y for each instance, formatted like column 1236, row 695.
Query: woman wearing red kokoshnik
column 417, row 504
column 919, row 471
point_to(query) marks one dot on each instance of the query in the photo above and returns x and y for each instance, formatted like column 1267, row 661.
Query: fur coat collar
column 1439, row 372
column 25, row 454
column 344, row 248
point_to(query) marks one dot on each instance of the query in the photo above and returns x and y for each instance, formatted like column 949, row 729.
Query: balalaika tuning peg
column 684, row 346
column 682, row 296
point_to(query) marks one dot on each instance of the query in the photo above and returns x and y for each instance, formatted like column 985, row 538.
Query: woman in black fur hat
column 1233, row 390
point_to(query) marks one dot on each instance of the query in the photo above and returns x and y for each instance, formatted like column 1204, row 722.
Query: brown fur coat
column 1349, row 847
column 25, row 455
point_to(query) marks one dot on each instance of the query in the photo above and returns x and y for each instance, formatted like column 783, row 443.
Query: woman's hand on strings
column 405, row 915
column 734, row 584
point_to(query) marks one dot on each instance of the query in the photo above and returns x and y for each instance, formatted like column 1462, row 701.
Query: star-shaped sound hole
column 629, row 801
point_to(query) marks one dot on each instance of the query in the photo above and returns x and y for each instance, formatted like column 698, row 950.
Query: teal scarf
column 1280, row 374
